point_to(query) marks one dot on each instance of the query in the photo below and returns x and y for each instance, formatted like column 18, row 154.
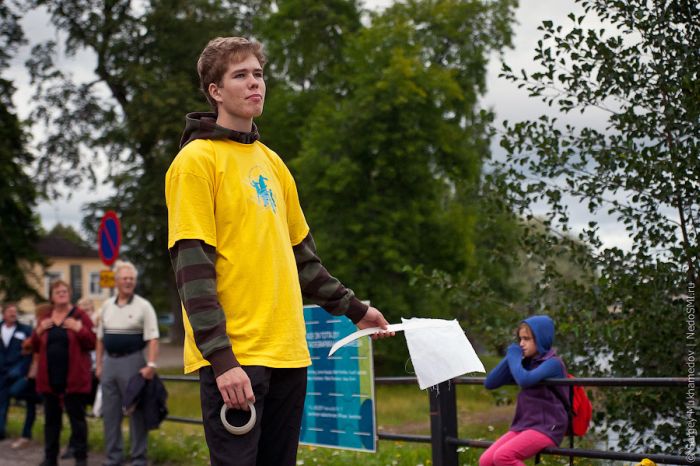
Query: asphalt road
column 33, row 454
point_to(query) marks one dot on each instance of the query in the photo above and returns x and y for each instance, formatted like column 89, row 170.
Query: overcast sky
column 504, row 98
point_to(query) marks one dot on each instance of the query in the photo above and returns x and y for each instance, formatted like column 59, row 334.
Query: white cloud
column 513, row 104
column 504, row 97
column 67, row 211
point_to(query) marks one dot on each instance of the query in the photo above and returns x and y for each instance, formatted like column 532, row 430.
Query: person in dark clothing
column 14, row 366
column 540, row 418
column 63, row 340
column 87, row 306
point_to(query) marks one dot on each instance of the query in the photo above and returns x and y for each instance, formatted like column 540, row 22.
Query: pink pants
column 513, row 447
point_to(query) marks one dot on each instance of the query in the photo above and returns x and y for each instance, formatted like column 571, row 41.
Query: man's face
column 125, row 281
column 241, row 93
column 9, row 315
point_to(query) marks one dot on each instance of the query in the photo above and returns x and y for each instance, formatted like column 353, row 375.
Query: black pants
column 53, row 420
column 279, row 403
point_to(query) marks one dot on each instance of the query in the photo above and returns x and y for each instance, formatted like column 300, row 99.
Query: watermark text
column 691, row 398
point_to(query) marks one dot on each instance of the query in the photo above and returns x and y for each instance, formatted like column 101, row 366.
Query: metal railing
column 443, row 436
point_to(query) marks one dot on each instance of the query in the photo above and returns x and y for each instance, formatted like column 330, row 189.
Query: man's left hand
column 374, row 318
column 147, row 372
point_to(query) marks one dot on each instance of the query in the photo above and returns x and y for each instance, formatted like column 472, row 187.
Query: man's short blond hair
column 119, row 265
column 219, row 54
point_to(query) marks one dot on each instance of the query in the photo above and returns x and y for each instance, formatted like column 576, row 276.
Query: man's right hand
column 374, row 318
column 235, row 388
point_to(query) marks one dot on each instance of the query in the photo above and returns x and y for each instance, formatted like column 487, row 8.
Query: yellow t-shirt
column 242, row 199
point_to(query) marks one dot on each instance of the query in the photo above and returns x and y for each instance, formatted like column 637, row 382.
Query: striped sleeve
column 195, row 274
column 320, row 287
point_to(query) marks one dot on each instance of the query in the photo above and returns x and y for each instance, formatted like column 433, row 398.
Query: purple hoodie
column 537, row 407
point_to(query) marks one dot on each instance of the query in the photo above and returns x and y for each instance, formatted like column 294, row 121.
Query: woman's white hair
column 125, row 265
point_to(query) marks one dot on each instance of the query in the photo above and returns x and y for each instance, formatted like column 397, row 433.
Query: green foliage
column 641, row 72
column 19, row 228
column 304, row 40
column 132, row 112
column 378, row 120
column 389, row 170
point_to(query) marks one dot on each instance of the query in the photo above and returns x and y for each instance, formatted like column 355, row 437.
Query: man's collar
column 129, row 301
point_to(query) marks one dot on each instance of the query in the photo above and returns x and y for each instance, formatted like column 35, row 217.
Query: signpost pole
column 109, row 240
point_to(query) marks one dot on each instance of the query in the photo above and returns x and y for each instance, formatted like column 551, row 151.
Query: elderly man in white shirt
column 128, row 325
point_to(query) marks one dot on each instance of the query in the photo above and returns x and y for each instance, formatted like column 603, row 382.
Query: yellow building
column 73, row 263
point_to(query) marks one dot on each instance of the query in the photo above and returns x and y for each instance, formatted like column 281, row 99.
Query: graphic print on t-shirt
column 263, row 192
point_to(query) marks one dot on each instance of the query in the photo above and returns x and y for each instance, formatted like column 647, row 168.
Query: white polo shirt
column 125, row 329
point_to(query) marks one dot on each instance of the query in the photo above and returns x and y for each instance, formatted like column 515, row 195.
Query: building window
column 76, row 282
column 95, row 284
column 50, row 277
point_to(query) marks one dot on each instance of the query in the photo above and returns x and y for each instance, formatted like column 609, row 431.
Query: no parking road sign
column 109, row 237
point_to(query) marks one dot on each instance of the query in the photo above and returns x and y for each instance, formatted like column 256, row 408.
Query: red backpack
column 580, row 412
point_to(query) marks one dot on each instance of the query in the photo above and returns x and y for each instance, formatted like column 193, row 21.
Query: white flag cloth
column 439, row 349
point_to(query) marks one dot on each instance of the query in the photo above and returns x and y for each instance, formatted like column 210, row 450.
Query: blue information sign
column 339, row 406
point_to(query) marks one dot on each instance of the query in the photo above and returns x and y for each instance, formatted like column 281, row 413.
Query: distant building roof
column 57, row 246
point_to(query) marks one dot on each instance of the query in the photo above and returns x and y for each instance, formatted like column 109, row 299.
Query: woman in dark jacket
column 63, row 340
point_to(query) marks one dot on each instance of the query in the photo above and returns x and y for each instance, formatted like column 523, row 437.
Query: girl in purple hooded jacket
column 540, row 418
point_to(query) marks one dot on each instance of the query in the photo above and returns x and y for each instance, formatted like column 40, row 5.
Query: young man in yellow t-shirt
column 243, row 257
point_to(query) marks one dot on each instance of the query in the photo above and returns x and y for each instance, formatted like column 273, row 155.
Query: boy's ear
column 214, row 92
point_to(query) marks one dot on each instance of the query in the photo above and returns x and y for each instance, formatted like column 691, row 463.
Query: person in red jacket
column 63, row 341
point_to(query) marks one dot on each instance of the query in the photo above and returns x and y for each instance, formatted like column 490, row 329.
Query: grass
column 400, row 409
column 15, row 421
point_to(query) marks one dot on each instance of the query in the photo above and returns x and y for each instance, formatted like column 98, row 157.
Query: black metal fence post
column 443, row 423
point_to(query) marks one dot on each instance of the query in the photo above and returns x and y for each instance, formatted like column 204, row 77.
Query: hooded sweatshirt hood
column 543, row 330
column 202, row 125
